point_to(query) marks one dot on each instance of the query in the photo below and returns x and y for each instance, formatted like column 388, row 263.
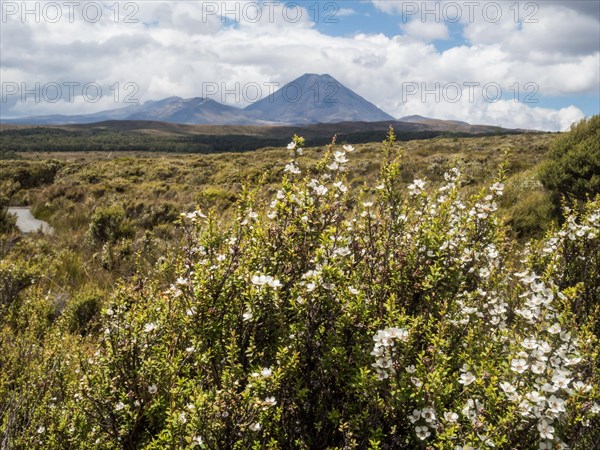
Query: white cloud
column 505, row 113
column 344, row 12
column 177, row 47
column 428, row 31
column 553, row 30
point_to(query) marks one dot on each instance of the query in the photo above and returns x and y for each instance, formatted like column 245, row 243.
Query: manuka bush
column 394, row 317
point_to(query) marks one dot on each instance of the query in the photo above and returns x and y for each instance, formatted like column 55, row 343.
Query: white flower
column 518, row 365
column 418, row 383
column 561, row 381
column 353, row 290
column 397, row 333
column 546, row 430
column 529, row 343
column 526, row 314
column 340, row 157
column 466, row 378
column 152, row 389
column 556, row 405
column 422, row 432
column 266, row 372
column 149, row 327
column 544, row 347
column 416, row 187
column 411, row 369
column 41, row 429
column 498, row 188
column 198, row 440
column 255, row 426
column 484, row 272
column 554, row 329
column 270, row 401
column 470, row 409
column 348, row 148
column 416, row 415
column 119, row 406
column 524, row 408
column 291, row 145
column 580, row 386
column 320, row 190
column 342, row 251
column 247, row 315
column 428, row 414
column 193, row 215
column 450, row 417
column 547, row 387
column 538, row 367
column 340, row 186
column 292, row 168
column 262, row 280
column 535, row 397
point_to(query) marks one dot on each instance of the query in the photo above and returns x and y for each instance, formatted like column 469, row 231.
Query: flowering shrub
column 393, row 317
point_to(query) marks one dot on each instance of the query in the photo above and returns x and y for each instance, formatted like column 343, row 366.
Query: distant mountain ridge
column 308, row 99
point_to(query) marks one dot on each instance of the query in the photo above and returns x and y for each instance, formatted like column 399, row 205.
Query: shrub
column 14, row 278
column 573, row 166
column 109, row 225
column 530, row 209
column 82, row 312
column 402, row 322
column 391, row 318
column 29, row 173
column 7, row 221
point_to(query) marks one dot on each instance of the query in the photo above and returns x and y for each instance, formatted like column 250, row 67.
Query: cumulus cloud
column 178, row 48
column 428, row 31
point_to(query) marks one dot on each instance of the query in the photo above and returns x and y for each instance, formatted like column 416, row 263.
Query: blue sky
column 366, row 18
column 176, row 48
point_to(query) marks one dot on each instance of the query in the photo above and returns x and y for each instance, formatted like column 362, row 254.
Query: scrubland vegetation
column 435, row 294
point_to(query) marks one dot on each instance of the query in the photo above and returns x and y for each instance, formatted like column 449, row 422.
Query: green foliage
column 29, row 173
column 529, row 207
column 323, row 313
column 573, row 166
column 82, row 312
column 122, row 136
column 14, row 278
column 7, row 221
column 109, row 224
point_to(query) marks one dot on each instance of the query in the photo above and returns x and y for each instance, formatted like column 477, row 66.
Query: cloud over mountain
column 173, row 47
column 308, row 99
